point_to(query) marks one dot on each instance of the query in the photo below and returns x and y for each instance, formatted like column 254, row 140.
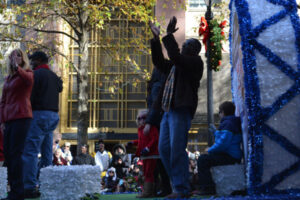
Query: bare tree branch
column 69, row 22
column 40, row 30
column 56, row 32
column 42, row 46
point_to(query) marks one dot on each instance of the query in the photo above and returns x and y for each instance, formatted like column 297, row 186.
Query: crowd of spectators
column 121, row 172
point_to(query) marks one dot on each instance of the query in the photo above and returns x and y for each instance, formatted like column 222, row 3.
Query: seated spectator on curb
column 102, row 157
column 193, row 172
column 135, row 178
column 119, row 165
column 67, row 155
column 120, row 150
column 225, row 151
column 84, row 158
column 58, row 159
column 110, row 181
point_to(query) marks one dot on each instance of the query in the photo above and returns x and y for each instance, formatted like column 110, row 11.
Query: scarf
column 44, row 66
column 168, row 90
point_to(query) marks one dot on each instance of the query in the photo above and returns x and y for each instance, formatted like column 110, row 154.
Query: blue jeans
column 173, row 140
column 39, row 140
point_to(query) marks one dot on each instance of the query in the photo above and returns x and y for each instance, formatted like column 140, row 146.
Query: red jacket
column 15, row 101
column 150, row 140
column 63, row 161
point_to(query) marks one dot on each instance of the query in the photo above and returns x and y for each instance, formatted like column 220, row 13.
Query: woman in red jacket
column 15, row 118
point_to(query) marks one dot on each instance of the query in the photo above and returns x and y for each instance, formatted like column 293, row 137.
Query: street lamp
column 210, row 99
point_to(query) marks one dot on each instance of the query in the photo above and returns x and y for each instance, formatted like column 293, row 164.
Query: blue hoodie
column 228, row 138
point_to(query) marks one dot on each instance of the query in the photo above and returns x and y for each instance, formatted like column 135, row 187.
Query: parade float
column 265, row 58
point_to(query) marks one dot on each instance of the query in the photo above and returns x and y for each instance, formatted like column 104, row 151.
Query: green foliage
column 38, row 21
column 94, row 196
column 216, row 44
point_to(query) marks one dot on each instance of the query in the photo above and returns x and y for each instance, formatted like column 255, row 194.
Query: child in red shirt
column 147, row 146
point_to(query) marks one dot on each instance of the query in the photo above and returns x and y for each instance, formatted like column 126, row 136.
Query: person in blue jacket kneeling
column 225, row 151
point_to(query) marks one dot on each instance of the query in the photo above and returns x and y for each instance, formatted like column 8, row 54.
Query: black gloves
column 129, row 144
column 172, row 25
column 145, row 151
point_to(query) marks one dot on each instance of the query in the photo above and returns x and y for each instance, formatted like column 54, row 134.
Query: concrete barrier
column 3, row 182
column 229, row 178
column 69, row 182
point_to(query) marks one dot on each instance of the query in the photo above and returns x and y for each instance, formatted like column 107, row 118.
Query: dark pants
column 14, row 138
column 205, row 162
column 162, row 179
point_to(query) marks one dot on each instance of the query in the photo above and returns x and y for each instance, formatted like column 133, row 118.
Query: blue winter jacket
column 228, row 138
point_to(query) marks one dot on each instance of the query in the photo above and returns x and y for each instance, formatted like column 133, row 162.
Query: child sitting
column 147, row 146
column 135, row 179
column 110, row 180
column 225, row 151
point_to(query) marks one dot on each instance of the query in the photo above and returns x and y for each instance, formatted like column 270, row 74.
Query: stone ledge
column 69, row 182
column 229, row 178
column 3, row 182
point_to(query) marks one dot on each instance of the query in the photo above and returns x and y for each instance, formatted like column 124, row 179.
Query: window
column 106, row 73
column 194, row 4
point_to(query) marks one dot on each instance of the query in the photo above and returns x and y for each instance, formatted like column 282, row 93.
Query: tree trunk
column 82, row 85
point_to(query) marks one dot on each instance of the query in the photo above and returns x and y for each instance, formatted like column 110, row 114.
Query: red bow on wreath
column 216, row 37
column 204, row 30
column 222, row 26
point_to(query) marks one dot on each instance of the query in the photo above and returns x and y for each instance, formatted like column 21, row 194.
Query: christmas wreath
column 216, row 34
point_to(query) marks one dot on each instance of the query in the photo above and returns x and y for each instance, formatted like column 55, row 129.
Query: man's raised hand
column 172, row 25
column 154, row 29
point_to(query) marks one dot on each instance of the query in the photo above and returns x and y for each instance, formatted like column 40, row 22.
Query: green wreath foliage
column 216, row 44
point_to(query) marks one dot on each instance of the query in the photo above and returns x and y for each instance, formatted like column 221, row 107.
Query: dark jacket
column 83, row 159
column 15, row 101
column 46, row 89
column 228, row 137
column 111, row 183
column 155, row 86
column 189, row 70
column 121, row 168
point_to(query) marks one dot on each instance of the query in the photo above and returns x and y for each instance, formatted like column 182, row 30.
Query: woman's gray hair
column 140, row 113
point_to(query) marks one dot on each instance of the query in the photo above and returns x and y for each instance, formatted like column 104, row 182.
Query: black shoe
column 179, row 196
column 32, row 193
column 11, row 196
column 204, row 192
column 163, row 193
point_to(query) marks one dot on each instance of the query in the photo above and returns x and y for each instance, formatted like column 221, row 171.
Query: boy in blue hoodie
column 225, row 151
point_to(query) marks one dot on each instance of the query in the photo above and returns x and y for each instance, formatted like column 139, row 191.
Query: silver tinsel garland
column 69, row 182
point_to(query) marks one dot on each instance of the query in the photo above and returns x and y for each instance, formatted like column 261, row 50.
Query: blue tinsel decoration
column 258, row 115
